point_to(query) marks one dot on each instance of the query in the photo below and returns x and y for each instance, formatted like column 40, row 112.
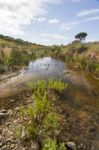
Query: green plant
column 62, row 146
column 52, row 121
column 40, row 119
column 18, row 132
column 56, row 85
column 50, row 144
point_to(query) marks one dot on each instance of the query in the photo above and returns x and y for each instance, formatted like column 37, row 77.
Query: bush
column 80, row 48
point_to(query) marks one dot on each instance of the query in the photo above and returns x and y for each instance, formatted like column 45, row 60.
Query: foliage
column 80, row 48
column 50, row 144
column 51, row 120
column 18, row 132
column 57, row 84
column 41, row 119
column 81, row 36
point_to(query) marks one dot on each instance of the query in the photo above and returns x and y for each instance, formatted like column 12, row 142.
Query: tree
column 81, row 36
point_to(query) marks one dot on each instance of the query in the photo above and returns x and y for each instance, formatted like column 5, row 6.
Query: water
column 45, row 68
column 40, row 69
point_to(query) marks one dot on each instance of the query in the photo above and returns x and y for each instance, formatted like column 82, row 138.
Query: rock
column 1, row 143
column 23, row 135
column 12, row 100
column 34, row 146
column 12, row 146
column 16, row 109
column 66, row 71
column 71, row 145
column 2, row 115
column 4, row 148
column 10, row 112
column 3, row 111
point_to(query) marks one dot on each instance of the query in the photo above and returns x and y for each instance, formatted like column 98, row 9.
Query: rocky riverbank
column 79, row 131
column 6, row 76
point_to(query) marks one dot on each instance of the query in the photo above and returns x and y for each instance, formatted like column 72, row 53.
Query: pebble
column 71, row 145
column 10, row 112
column 2, row 116
column 12, row 100
column 3, row 111
column 4, row 148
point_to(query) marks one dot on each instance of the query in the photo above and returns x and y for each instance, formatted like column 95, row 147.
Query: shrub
column 80, row 48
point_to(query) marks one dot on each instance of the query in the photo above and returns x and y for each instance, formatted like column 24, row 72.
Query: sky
column 49, row 22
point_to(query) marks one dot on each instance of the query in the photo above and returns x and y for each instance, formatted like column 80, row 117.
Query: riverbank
column 7, row 75
column 77, row 126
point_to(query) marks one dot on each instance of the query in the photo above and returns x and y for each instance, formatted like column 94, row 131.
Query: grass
column 40, row 119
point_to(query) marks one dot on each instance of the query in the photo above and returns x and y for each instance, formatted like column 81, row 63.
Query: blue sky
column 49, row 21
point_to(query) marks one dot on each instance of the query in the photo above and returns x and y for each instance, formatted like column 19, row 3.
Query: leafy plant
column 57, row 85
column 52, row 121
column 50, row 144
column 40, row 119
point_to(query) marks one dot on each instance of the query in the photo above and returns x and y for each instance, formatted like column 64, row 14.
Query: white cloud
column 16, row 14
column 70, row 25
column 87, row 12
column 37, row 19
column 54, row 36
column 92, row 18
column 54, row 21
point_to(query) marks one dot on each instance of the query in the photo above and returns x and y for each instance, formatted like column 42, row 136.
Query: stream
column 84, row 88
column 83, row 91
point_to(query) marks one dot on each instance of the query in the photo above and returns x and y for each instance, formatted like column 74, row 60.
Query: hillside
column 82, row 56
column 15, row 53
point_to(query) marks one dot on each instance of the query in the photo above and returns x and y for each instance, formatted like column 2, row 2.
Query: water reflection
column 46, row 67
